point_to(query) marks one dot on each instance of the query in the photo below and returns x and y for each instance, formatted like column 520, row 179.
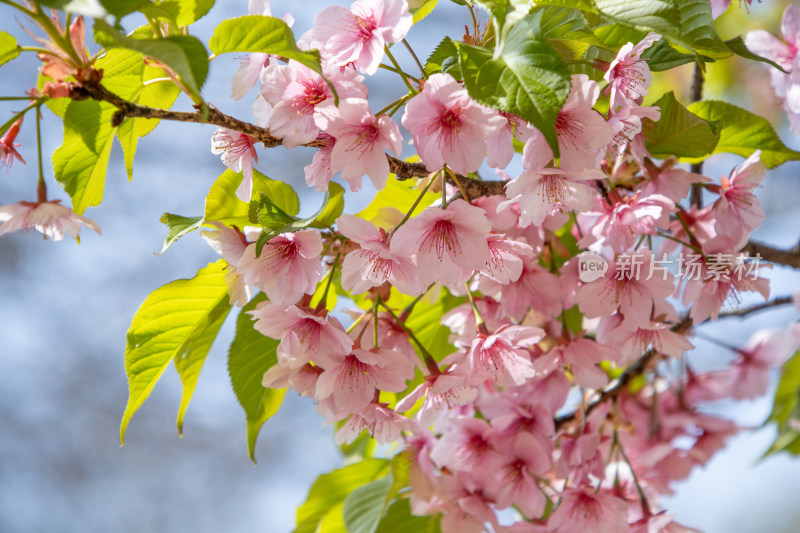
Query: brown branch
column 784, row 300
column 89, row 86
column 696, row 196
column 790, row 258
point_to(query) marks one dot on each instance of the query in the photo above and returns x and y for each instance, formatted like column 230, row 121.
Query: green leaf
column 364, row 507
column 120, row 8
column 222, row 204
column 177, row 227
column 679, row 132
column 505, row 14
column 786, row 409
column 329, row 491
column 8, row 48
column 81, row 162
column 179, row 322
column 525, row 77
column 424, row 10
column 738, row 47
column 444, row 58
column 332, row 208
column 425, row 320
column 568, row 31
column 399, row 519
column 185, row 54
column 742, row 132
column 662, row 56
column 250, row 355
column 257, row 33
column 185, row 12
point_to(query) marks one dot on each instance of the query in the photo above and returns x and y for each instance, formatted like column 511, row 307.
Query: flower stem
column 397, row 103
column 415, row 204
column 430, row 362
column 375, row 321
column 41, row 188
column 480, row 325
column 416, row 59
column 400, row 71
column 323, row 301
column 457, row 182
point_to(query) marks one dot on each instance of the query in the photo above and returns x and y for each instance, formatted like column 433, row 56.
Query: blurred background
column 66, row 307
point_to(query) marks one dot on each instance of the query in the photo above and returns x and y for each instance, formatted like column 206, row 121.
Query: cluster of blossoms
column 525, row 412
column 533, row 410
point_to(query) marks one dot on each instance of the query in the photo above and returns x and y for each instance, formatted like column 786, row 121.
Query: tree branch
column 790, row 258
column 784, row 300
column 89, row 86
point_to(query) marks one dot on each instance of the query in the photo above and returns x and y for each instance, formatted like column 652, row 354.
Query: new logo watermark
column 591, row 267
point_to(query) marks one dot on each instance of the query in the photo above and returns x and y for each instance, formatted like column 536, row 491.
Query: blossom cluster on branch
column 519, row 342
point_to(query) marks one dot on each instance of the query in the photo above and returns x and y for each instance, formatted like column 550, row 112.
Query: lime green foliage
column 398, row 519
column 81, row 162
column 392, row 202
column 177, row 322
column 679, row 132
column 256, row 33
column 742, row 132
column 322, row 511
column 184, row 54
column 786, row 409
column 364, row 507
column 8, row 48
column 250, row 355
column 524, row 76
column 424, row 10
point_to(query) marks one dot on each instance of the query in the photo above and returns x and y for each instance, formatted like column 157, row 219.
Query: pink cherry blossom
column 738, row 211
column 238, row 153
column 581, row 356
column 361, row 139
column 547, row 191
column 670, row 180
column 506, row 259
column 628, row 76
column 621, row 224
column 305, row 337
column 580, row 457
column 588, row 510
column 51, row 219
column 750, row 373
column 294, row 91
column 467, row 446
column 320, row 172
column 581, row 130
column 626, row 124
column 375, row 264
column 230, row 244
column 446, row 241
column 288, row 267
column 517, row 477
column 380, row 421
column 352, row 383
column 502, row 356
column 357, row 36
column 536, row 288
column 8, row 148
column 500, row 148
column 449, row 127
column 442, row 392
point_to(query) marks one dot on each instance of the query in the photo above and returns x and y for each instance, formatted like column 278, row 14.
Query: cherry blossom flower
column 738, row 211
column 51, row 219
column 320, row 172
column 750, row 374
column 500, row 148
column 518, row 485
column 288, row 267
column 8, row 148
column 305, row 337
column 361, row 139
column 581, row 356
column 352, row 383
column 449, row 127
column 547, row 191
column 536, row 288
column 442, row 392
column 628, row 76
column 506, row 259
column 502, row 357
column 670, row 180
column 581, row 130
column 467, row 446
column 620, row 224
column 626, row 124
column 375, row 264
column 379, row 420
column 446, row 241
column 294, row 91
column 238, row 153
column 585, row 509
column 230, row 244
column 357, row 36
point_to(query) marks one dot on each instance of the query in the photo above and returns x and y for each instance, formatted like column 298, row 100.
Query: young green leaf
column 81, row 162
column 179, row 322
column 184, row 12
column 222, row 204
column 424, row 10
column 120, row 8
column 786, row 409
column 87, row 8
column 390, row 203
column 267, row 35
column 8, row 48
column 524, row 77
column 679, row 132
column 738, row 47
column 185, row 54
column 250, row 355
column 364, row 507
column 742, row 132
column 329, row 491
column 505, row 13
column 177, row 227
column 332, row 209
column 399, row 519
column 444, row 58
